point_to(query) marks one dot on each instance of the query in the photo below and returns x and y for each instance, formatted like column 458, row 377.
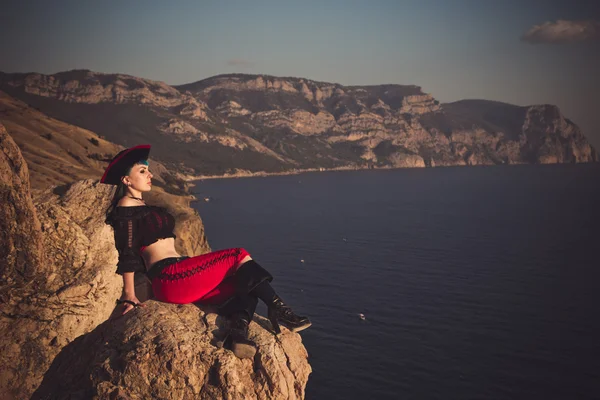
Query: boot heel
column 237, row 337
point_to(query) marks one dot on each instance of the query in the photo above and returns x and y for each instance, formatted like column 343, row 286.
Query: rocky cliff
column 167, row 351
column 57, row 291
column 235, row 123
column 21, row 248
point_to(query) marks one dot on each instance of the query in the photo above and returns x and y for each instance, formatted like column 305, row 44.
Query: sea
column 437, row 283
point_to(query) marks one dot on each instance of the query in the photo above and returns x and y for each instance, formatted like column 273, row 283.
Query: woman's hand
column 127, row 306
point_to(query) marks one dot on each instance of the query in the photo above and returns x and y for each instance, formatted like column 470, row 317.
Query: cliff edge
column 58, row 290
column 167, row 351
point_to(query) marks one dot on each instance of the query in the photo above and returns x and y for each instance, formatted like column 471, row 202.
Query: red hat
column 122, row 162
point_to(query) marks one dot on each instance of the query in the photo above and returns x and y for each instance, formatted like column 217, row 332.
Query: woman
column 146, row 244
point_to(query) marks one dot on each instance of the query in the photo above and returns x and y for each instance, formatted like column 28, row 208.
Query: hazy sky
column 520, row 52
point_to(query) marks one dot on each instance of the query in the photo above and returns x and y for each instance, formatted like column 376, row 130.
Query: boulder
column 167, row 351
column 20, row 240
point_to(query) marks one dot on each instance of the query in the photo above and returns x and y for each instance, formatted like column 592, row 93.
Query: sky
column 520, row 52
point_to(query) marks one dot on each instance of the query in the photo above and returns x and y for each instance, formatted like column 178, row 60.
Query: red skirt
column 205, row 278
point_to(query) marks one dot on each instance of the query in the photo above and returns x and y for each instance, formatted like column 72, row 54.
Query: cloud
column 239, row 62
column 562, row 31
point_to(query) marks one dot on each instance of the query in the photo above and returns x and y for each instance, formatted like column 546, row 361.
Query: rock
column 232, row 109
column 76, row 285
column 66, row 252
column 419, row 104
column 545, row 132
column 166, row 351
column 299, row 121
column 403, row 160
column 193, row 108
column 353, row 124
column 178, row 127
column 21, row 248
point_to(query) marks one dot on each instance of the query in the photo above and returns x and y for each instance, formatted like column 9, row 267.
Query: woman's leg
column 279, row 312
column 239, row 309
column 252, row 280
column 204, row 278
column 190, row 280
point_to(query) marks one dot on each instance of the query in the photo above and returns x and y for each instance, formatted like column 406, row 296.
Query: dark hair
column 119, row 193
column 110, row 211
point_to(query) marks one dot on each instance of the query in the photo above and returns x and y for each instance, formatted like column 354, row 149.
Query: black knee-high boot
column 249, row 275
column 254, row 279
column 279, row 312
column 240, row 308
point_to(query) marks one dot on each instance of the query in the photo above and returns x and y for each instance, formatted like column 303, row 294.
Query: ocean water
column 475, row 282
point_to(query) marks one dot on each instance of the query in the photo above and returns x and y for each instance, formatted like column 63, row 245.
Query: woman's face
column 139, row 178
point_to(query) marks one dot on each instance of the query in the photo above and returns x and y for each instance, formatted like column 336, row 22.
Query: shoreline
column 260, row 174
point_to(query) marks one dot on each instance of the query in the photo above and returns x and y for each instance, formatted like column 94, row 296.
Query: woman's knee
column 242, row 253
column 243, row 257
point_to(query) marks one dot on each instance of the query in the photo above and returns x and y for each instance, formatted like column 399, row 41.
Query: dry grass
column 56, row 152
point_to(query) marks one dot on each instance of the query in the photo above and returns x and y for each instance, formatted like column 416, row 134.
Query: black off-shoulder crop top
column 136, row 228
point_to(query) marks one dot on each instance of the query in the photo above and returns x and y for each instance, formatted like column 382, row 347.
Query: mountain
column 237, row 123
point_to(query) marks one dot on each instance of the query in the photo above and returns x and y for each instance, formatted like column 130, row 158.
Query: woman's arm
column 129, row 292
column 127, row 242
column 128, row 286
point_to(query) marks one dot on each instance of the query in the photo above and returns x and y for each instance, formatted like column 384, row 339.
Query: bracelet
column 128, row 302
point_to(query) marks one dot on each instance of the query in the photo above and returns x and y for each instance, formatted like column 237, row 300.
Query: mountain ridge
column 253, row 123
